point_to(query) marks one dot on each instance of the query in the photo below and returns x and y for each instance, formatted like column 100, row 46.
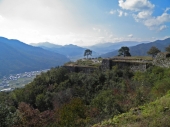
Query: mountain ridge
column 109, row 46
column 17, row 57
column 141, row 49
column 72, row 51
column 75, row 52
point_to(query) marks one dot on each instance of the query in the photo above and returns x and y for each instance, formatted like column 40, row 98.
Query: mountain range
column 73, row 52
column 141, row 49
column 16, row 57
column 102, row 48
column 46, row 45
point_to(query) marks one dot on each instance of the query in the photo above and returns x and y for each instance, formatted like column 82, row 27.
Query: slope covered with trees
column 61, row 98
column 154, row 114
column 16, row 57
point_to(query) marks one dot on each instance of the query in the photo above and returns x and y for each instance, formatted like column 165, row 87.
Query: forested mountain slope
column 16, row 57
column 154, row 114
column 61, row 98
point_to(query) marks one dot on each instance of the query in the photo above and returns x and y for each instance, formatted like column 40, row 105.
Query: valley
column 18, row 80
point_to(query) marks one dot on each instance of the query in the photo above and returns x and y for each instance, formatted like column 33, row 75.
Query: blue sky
column 85, row 22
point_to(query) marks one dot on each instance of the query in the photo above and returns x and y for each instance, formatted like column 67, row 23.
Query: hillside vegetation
column 60, row 98
column 154, row 114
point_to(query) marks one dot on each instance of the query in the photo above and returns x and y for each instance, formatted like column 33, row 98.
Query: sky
column 84, row 22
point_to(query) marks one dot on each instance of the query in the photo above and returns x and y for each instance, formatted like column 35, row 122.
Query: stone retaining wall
column 85, row 69
column 133, row 65
column 107, row 64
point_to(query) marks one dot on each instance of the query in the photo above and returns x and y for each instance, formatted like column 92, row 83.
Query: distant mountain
column 73, row 52
column 109, row 47
column 16, row 57
column 46, row 45
column 141, row 49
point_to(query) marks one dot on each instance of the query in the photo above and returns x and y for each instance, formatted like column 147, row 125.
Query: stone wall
column 162, row 59
column 107, row 64
column 133, row 65
column 84, row 69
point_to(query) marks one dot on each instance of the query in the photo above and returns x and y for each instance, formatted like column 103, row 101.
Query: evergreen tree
column 167, row 48
column 124, row 51
column 87, row 52
column 153, row 51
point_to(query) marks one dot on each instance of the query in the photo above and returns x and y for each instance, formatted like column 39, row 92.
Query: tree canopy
column 124, row 51
column 87, row 52
column 62, row 99
column 153, row 51
column 167, row 48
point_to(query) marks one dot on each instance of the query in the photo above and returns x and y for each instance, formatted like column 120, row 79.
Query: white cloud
column 144, row 14
column 48, row 17
column 156, row 21
column 120, row 13
column 52, row 20
column 136, row 5
column 125, row 14
column 165, row 37
column 1, row 18
column 136, row 17
column 162, row 27
column 130, row 35
column 112, row 12
column 45, row 20
column 142, row 11
column 165, row 17
column 96, row 29
column 167, row 9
